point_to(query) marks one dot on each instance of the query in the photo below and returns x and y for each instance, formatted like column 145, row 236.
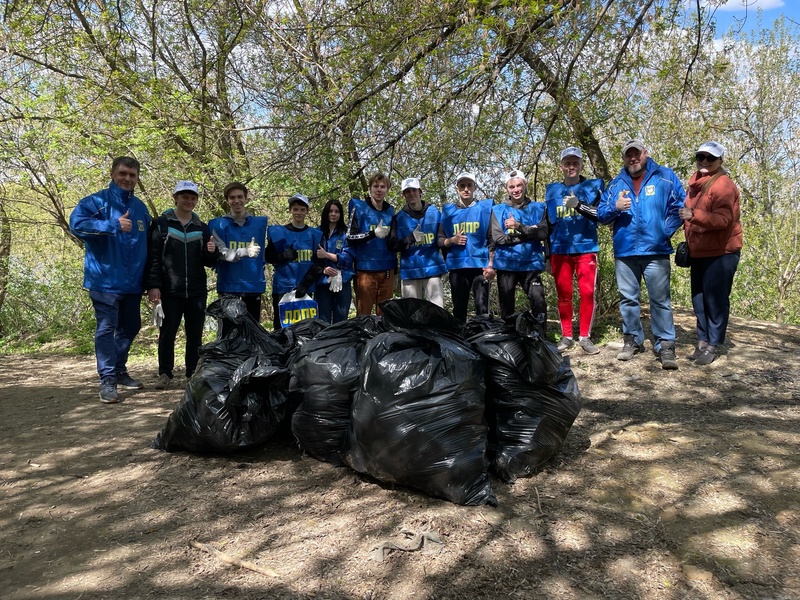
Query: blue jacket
column 371, row 253
column 647, row 227
column 418, row 260
column 473, row 221
column 287, row 275
column 114, row 260
column 337, row 244
column 570, row 232
column 246, row 276
column 519, row 250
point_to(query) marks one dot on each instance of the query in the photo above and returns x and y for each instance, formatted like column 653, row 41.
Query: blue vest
column 373, row 255
column 246, row 276
column 571, row 232
column 474, row 222
column 336, row 244
column 526, row 256
column 286, row 276
column 422, row 259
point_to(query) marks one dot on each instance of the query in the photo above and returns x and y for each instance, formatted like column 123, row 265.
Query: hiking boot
column 108, row 391
column 127, row 382
column 667, row 356
column 698, row 351
column 565, row 343
column 587, row 346
column 630, row 348
column 707, row 356
column 163, row 381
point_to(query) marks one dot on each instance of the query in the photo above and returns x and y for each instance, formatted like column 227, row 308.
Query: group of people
column 471, row 240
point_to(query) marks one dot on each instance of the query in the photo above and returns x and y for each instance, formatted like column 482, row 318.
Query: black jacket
column 177, row 256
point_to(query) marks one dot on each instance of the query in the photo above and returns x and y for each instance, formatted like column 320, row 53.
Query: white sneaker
column 163, row 381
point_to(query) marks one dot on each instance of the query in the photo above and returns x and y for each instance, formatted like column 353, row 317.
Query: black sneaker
column 127, row 382
column 108, row 391
column 667, row 355
column 630, row 348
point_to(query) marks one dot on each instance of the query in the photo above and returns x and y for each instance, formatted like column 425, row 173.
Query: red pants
column 564, row 267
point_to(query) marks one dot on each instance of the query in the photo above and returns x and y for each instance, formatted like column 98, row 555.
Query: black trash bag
column 417, row 417
column 236, row 398
column 532, row 396
column 326, row 374
column 292, row 338
column 414, row 313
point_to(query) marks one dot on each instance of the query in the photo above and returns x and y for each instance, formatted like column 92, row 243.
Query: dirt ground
column 670, row 485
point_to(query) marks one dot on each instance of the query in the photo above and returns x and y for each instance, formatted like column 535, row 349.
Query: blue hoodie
column 647, row 227
column 114, row 260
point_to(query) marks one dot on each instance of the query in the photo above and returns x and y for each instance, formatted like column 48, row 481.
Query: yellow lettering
column 305, row 255
column 563, row 211
column 467, row 227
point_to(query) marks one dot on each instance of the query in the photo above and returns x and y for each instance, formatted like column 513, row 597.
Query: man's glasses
column 707, row 157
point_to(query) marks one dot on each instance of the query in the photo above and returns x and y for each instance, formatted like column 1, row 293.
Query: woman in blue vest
column 414, row 235
column 334, row 287
column 292, row 248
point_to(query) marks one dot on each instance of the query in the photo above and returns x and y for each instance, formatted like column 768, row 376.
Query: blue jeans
column 654, row 270
column 118, row 321
column 712, row 280
column 333, row 307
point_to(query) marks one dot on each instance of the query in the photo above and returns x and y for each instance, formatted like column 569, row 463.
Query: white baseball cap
column 634, row 143
column 184, row 185
column 410, row 183
column 514, row 174
column 299, row 198
column 572, row 151
column 466, row 175
column 713, row 148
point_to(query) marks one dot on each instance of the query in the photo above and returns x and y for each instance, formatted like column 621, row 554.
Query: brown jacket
column 715, row 228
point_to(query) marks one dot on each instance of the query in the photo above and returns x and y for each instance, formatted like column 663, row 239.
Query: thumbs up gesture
column 253, row 249
column 125, row 223
column 419, row 237
column 381, row 231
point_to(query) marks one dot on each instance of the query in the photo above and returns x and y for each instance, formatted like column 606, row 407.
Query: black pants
column 462, row 281
column 531, row 283
column 193, row 311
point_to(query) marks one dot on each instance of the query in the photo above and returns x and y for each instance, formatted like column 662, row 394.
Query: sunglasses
column 708, row 157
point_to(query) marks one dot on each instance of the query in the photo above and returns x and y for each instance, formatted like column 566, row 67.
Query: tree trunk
column 5, row 253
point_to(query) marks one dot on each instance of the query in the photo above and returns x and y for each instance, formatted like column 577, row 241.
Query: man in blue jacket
column 642, row 203
column 113, row 225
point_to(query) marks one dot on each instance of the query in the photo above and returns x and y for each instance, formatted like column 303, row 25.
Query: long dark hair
column 325, row 223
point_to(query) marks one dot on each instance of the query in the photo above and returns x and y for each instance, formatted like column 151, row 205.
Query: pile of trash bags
column 410, row 398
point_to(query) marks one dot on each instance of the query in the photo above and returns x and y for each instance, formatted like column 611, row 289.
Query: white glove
column 158, row 315
column 336, row 282
column 419, row 237
column 253, row 249
column 381, row 231
column 228, row 254
column 571, row 201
